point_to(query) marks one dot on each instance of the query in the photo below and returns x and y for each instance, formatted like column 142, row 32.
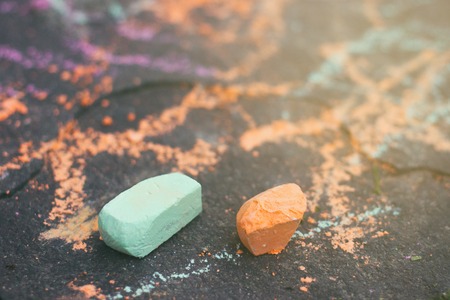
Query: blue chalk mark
column 407, row 38
column 394, row 8
column 330, row 68
column 381, row 149
column 116, row 10
column 324, row 224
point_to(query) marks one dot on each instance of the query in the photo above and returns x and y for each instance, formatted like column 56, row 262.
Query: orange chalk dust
column 52, row 69
column 65, row 75
column 105, row 103
column 10, row 106
column 61, row 99
column 107, row 121
column 131, row 117
column 266, row 222
column 88, row 290
column 40, row 95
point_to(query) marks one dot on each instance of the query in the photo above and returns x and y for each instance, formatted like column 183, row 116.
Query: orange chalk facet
column 267, row 222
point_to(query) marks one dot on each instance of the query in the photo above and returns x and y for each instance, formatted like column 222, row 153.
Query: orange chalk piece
column 266, row 222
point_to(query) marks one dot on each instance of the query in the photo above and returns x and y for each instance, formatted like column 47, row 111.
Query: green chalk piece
column 141, row 218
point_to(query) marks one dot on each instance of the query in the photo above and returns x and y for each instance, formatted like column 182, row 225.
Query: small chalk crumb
column 311, row 221
column 62, row 99
column 324, row 215
column 307, row 279
column 68, row 105
column 131, row 117
column 65, row 76
column 127, row 289
column 205, row 252
column 302, row 268
column 277, row 251
column 105, row 103
column 107, row 121
column 41, row 96
column 52, row 69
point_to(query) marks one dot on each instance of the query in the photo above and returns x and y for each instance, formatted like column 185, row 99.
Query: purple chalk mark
column 13, row 7
column 69, row 65
column 8, row 91
column 29, row 89
column 41, row 59
column 80, row 46
column 143, row 34
column 171, row 64
column 205, row 72
column 139, row 60
column 136, row 34
column 8, row 7
column 34, row 58
column 10, row 54
column 13, row 55
column 40, row 4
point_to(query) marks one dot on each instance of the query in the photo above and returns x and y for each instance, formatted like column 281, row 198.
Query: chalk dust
column 307, row 279
column 88, row 290
column 329, row 178
column 380, row 234
column 389, row 118
column 260, row 22
column 75, row 229
column 10, row 106
column 303, row 289
column 344, row 238
column 107, row 121
column 281, row 130
column 306, row 282
column 68, row 152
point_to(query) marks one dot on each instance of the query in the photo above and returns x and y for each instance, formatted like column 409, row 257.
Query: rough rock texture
column 267, row 222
